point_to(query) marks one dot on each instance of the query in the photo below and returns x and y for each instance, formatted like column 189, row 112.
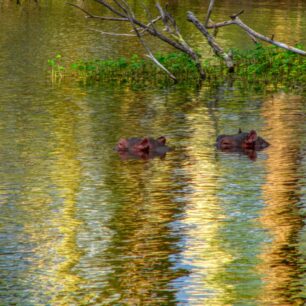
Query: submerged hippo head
column 146, row 147
column 245, row 142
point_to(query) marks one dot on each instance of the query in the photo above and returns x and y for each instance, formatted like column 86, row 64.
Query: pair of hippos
column 242, row 142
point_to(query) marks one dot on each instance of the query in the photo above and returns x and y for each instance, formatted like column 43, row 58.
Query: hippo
column 142, row 147
column 244, row 142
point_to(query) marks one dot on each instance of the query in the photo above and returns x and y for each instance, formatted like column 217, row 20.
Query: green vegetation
column 262, row 64
column 136, row 69
column 271, row 63
column 57, row 70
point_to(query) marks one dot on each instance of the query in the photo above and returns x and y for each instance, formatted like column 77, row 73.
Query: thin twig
column 151, row 31
column 151, row 23
column 227, row 57
column 111, row 8
column 211, row 4
column 150, row 54
column 113, row 34
column 237, row 14
column 220, row 24
column 177, row 44
column 89, row 15
column 164, row 17
column 123, row 6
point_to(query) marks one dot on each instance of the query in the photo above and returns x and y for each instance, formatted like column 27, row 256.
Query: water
column 80, row 226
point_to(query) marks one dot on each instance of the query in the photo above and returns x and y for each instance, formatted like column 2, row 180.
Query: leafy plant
column 57, row 70
column 261, row 64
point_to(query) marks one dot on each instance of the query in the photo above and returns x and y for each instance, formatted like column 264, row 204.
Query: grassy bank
column 262, row 64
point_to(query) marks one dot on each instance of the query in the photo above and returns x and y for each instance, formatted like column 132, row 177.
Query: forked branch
column 235, row 20
column 171, row 34
column 125, row 13
column 227, row 57
column 150, row 55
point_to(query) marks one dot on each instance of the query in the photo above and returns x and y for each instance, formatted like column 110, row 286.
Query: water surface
column 81, row 226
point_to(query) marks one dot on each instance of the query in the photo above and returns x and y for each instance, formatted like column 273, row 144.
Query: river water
column 81, row 226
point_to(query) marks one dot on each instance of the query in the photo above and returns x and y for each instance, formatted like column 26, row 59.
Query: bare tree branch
column 211, row 4
column 114, row 34
column 266, row 39
column 152, row 20
column 211, row 41
column 255, row 35
column 172, row 28
column 150, row 54
column 89, row 15
column 220, row 24
column 150, row 24
column 178, row 44
column 172, row 36
column 153, row 32
column 123, row 7
column 168, row 20
column 254, row 40
column 109, row 7
column 237, row 14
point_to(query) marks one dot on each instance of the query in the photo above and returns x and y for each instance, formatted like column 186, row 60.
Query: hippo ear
column 122, row 144
column 251, row 137
column 162, row 140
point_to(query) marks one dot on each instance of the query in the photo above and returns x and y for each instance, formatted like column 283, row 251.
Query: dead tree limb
column 171, row 34
column 209, row 11
column 237, row 21
column 110, row 8
column 89, row 15
column 237, row 14
column 173, row 29
column 179, row 44
column 151, row 23
column 130, row 15
column 114, row 34
column 227, row 57
column 167, row 19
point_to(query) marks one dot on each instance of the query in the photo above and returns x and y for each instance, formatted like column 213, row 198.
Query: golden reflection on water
column 203, row 218
column 138, row 253
column 153, row 233
column 58, row 256
column 280, row 258
column 66, row 176
column 138, row 240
